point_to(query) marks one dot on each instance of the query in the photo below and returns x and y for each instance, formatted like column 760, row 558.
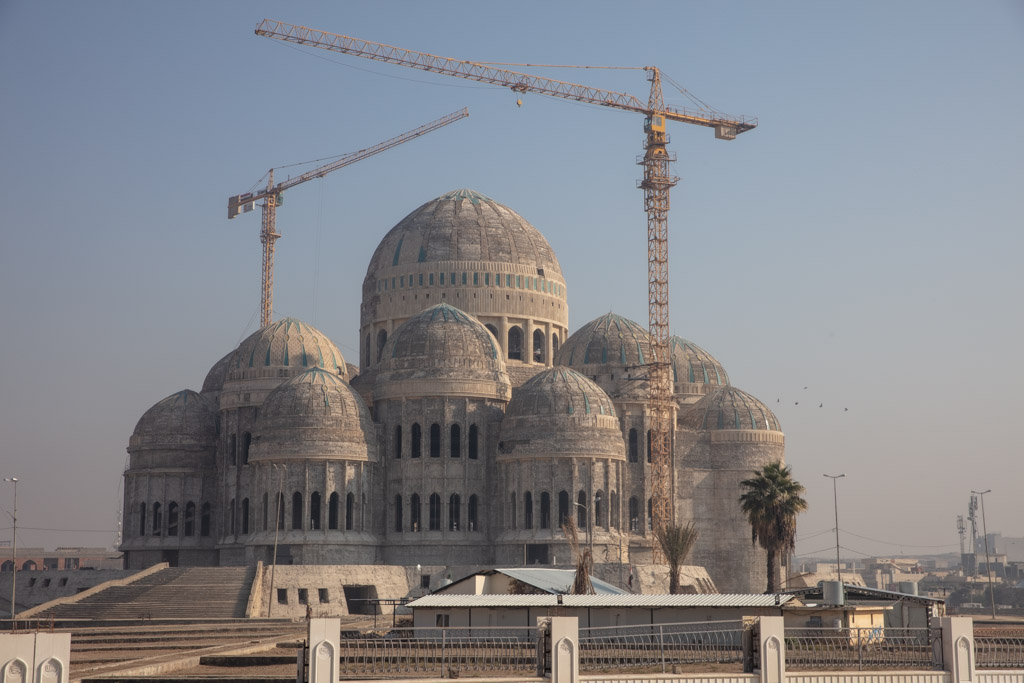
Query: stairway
column 172, row 593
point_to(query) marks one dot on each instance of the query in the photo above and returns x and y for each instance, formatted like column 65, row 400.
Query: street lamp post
column 14, row 545
column 277, row 528
column 988, row 562
column 835, row 501
column 586, row 523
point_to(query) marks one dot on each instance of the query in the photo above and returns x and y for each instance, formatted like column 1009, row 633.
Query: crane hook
column 519, row 101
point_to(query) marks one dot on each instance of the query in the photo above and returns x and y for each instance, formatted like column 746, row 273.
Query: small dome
column 315, row 415
column 444, row 350
column 692, row 365
column 181, row 420
column 287, row 343
column 730, row 408
column 214, row 381
column 561, row 411
column 610, row 339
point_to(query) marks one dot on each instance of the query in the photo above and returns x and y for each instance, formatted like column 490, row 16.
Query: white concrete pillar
column 958, row 648
column 772, row 663
column 324, row 656
column 527, row 340
column 35, row 657
column 565, row 651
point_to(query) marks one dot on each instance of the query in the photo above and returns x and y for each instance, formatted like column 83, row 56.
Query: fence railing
column 863, row 648
column 440, row 651
column 999, row 648
column 661, row 645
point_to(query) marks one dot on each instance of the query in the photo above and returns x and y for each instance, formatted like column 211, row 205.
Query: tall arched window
column 435, row 512
column 513, row 518
column 545, row 510
column 581, row 509
column 350, row 512
column 172, row 519
column 398, row 442
column 414, row 513
column 454, row 512
column 231, row 518
column 474, row 442
column 158, row 521
column 190, row 519
column 634, row 446
column 650, row 514
column 527, row 510
column 314, row 510
column 613, row 510
column 398, row 513
column 599, row 509
column 538, row 346
column 332, row 511
column 634, row 515
column 648, row 445
column 554, row 343
column 204, row 520
column 563, row 508
column 266, row 510
column 245, row 515
column 142, row 519
column 474, row 520
column 382, row 339
column 456, row 441
column 515, row 343
column 417, row 440
column 246, row 442
column 435, row 440
column 296, row 510
column 493, row 330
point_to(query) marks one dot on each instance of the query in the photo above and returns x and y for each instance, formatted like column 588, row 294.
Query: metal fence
column 999, row 648
column 863, row 648
column 441, row 651
column 660, row 645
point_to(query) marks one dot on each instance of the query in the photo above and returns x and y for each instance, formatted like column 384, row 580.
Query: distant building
column 523, row 581
column 70, row 558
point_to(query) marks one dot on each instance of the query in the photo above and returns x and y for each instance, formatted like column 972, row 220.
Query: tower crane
column 656, row 182
column 272, row 197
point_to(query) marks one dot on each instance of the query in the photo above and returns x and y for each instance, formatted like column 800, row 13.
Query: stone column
column 958, row 649
column 549, row 357
column 527, row 340
column 772, row 663
column 503, row 336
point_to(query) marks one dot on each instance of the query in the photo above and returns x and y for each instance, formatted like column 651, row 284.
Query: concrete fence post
column 565, row 650
column 958, row 649
column 324, row 652
column 771, row 662
column 35, row 657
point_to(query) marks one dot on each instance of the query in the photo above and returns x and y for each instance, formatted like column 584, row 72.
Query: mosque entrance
column 361, row 599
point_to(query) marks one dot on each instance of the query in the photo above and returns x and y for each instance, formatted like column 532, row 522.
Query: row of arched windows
column 178, row 521
column 239, row 517
column 453, row 521
column 233, row 448
column 633, row 452
column 454, row 441
column 515, row 343
column 537, row 284
column 603, row 514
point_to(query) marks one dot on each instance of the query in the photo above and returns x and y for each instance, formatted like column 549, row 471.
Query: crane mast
column 272, row 195
column 656, row 182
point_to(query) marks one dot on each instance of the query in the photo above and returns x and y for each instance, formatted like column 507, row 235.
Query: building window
column 435, row 512
column 314, row 510
column 545, row 510
column 398, row 442
column 515, row 343
column 350, row 512
column 421, row 280
column 476, row 279
column 527, row 510
column 650, row 514
column 246, row 442
column 231, row 518
column 538, row 346
column 474, row 442
column 142, row 519
column 613, row 510
column 513, row 519
column 431, row 279
column 581, row 509
column 414, row 512
column 190, row 519
column 442, row 620
column 599, row 509
column 634, row 515
column 245, row 515
column 204, row 520
column 456, row 442
column 634, row 446
column 157, row 520
column 441, row 281
column 332, row 511
column 282, row 596
column 323, row 595
column 398, row 513
column 172, row 519
column 417, row 440
column 382, row 339
column 487, row 279
column 563, row 508
column 474, row 520
column 454, row 512
column 464, row 279
column 296, row 510
column 435, row 440
column 554, row 343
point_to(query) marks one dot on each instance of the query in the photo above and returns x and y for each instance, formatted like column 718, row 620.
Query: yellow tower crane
column 657, row 180
column 272, row 197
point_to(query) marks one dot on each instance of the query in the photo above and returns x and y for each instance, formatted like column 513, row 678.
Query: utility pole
column 277, row 528
column 835, row 500
column 14, row 545
column 988, row 561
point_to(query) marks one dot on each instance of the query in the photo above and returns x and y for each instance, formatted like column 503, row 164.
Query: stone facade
column 472, row 427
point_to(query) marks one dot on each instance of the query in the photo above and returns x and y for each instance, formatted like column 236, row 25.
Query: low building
column 902, row 610
column 523, row 581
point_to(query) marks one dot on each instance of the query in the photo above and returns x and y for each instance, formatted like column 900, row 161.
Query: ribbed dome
column 693, row 365
column 443, row 349
column 214, row 381
column 181, row 420
column 610, row 339
column 287, row 343
column 561, row 411
column 730, row 408
column 314, row 415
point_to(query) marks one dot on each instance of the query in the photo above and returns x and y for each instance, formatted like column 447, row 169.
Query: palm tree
column 771, row 504
column 676, row 542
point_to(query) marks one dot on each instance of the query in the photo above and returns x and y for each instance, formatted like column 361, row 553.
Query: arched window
column 634, row 515
column 414, row 513
column 581, row 509
column 172, row 519
column 454, row 512
column 435, row 512
column 650, row 514
column 398, row 513
column 245, row 515
column 190, row 519
column 332, row 511
column 515, row 343
column 456, row 441
column 599, row 509
column 417, row 440
column 233, row 449
column 493, row 330
column 246, row 442
column 366, row 352
column 538, row 346
column 563, row 508
column 527, row 510
column 157, row 519
column 296, row 510
column 142, row 519
column 648, row 445
column 613, row 510
column 382, row 339
column 513, row 518
column 204, row 520
column 314, row 510
column 435, row 440
column 474, row 442
column 231, row 518
column 554, row 343
column 474, row 519
column 545, row 510
column 398, row 442
column 350, row 512
column 634, row 446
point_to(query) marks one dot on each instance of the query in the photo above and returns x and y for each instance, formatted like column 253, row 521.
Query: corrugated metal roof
column 557, row 580
column 625, row 601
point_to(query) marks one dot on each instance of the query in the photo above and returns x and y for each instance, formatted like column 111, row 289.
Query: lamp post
column 835, row 501
column 988, row 562
column 14, row 545
column 277, row 528
column 586, row 523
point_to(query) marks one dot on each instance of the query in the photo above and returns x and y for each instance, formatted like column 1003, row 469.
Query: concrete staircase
column 172, row 593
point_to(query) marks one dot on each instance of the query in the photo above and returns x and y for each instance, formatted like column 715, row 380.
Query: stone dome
column 694, row 370
column 441, row 351
column 560, row 411
column 610, row 339
column 214, row 381
column 181, row 420
column 314, row 415
column 727, row 408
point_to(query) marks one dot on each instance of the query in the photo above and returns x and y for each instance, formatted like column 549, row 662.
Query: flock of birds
column 820, row 405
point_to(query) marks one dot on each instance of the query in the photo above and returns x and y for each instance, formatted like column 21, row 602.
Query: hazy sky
column 860, row 249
